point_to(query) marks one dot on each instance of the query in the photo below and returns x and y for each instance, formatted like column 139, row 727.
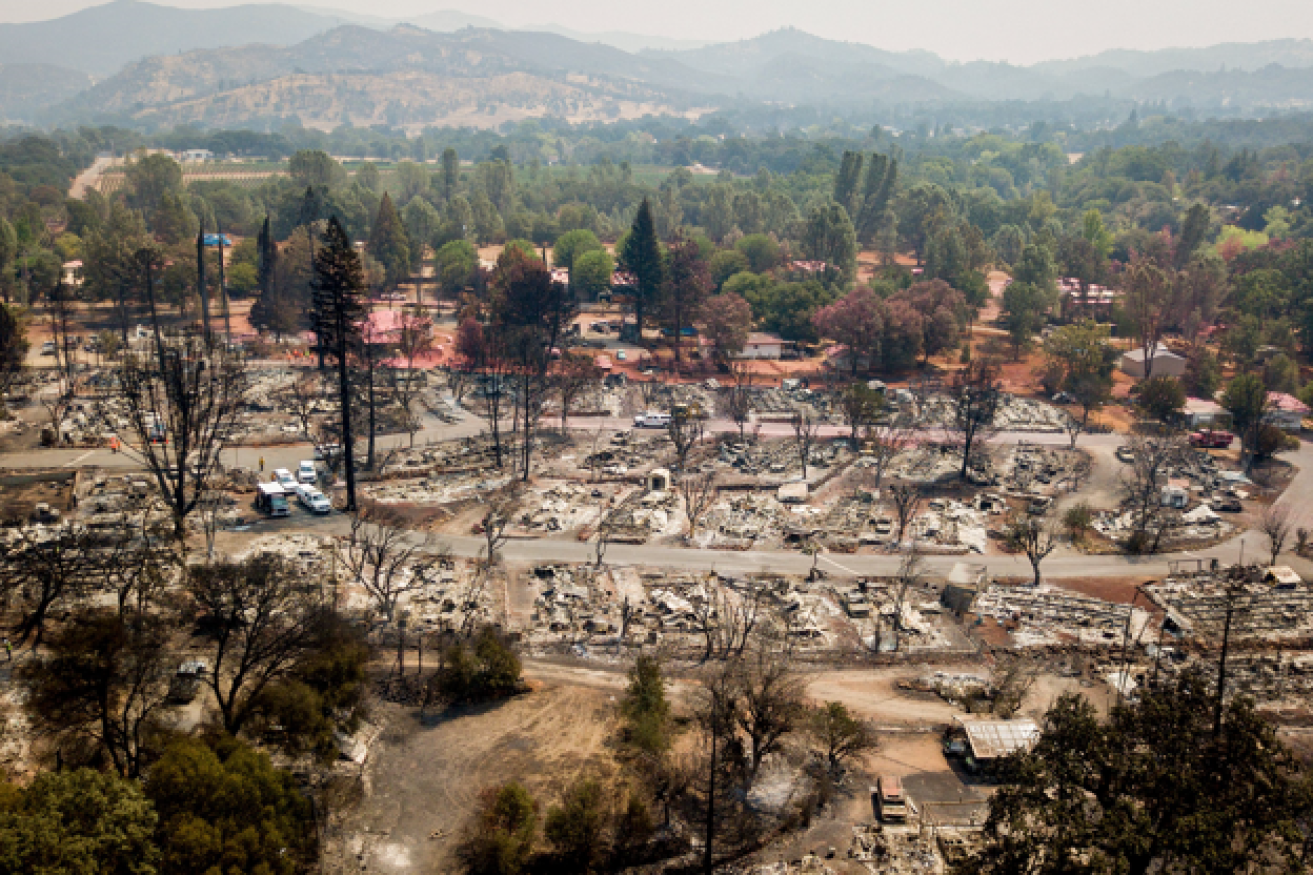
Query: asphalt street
column 1064, row 563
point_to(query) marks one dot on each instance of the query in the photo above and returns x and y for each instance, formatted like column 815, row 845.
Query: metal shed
column 991, row 739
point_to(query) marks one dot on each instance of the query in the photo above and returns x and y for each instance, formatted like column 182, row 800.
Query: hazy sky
column 1020, row 31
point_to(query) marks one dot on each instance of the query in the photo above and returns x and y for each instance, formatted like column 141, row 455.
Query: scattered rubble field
column 20, row 493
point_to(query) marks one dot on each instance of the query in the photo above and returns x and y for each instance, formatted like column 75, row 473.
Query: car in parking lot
column 285, row 479
column 306, row 473
column 313, row 500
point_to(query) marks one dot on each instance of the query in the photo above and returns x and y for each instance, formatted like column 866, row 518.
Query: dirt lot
column 423, row 781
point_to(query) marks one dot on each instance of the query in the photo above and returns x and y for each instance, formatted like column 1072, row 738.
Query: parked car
column 48, row 348
column 285, row 479
column 652, row 419
column 1227, row 504
column 306, row 473
column 313, row 500
column 328, row 452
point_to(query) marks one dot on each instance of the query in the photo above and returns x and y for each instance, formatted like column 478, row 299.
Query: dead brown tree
column 1277, row 526
column 738, row 397
column 974, row 397
column 699, row 492
column 883, row 445
column 1035, row 536
column 1152, row 460
column 43, row 573
column 101, row 688
column 385, row 557
column 805, row 431
column 570, row 377
column 907, row 500
column 260, row 616
column 502, row 507
column 182, row 415
column 769, row 696
column 685, row 432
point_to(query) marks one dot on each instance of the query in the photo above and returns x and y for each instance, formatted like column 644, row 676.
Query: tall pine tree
column 641, row 257
column 389, row 244
column 339, row 285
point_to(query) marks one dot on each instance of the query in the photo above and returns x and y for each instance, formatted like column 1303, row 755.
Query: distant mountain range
column 259, row 65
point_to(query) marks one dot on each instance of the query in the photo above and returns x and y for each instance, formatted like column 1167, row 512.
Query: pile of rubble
column 1043, row 616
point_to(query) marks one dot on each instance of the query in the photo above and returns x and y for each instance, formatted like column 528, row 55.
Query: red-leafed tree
column 856, row 320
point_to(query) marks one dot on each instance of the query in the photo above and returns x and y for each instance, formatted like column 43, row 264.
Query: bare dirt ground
column 423, row 780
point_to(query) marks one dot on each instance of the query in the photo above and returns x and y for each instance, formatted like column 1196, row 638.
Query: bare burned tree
column 182, row 415
column 883, row 445
column 974, row 397
column 907, row 500
column 385, row 558
column 260, row 616
column 1013, row 678
column 102, row 687
column 1035, row 536
column 769, row 695
column 727, row 619
column 571, row 376
column 414, row 341
column 911, row 571
column 58, row 405
column 1277, row 526
column 42, row 573
column 1152, row 460
column 60, row 312
column 738, row 397
column 699, row 492
column 685, row 432
column 805, row 432
column 502, row 507
column 311, row 402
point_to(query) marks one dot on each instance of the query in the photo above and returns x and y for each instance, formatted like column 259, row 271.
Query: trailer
column 271, row 499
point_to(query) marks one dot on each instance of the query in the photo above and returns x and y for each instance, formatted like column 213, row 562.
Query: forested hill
column 266, row 65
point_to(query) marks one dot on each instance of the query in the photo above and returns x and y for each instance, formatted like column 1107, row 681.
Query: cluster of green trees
column 209, row 805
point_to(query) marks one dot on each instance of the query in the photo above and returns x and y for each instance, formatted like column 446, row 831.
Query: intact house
column 1285, row 411
column 1165, row 363
column 1203, row 413
column 763, row 345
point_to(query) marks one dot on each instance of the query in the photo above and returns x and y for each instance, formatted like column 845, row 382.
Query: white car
column 652, row 420
column 306, row 473
column 285, row 479
column 313, row 500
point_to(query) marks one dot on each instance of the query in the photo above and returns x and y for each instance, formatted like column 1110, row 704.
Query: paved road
column 1065, row 563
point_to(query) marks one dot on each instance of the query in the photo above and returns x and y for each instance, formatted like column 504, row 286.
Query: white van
column 284, row 477
column 652, row 419
column 313, row 500
column 271, row 499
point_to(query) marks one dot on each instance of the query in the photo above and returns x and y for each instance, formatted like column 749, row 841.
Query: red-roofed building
column 1285, row 411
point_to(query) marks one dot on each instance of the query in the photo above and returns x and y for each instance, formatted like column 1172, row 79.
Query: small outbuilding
column 1285, row 411
column 993, row 739
column 1165, row 363
column 763, row 345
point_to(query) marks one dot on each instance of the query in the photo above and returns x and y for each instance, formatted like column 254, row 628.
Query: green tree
column 368, row 177
column 224, row 807
column 572, row 244
column 456, row 263
column 1246, row 400
column 1160, row 786
column 839, row 735
column 578, row 828
column 645, row 707
column 1024, row 309
column 338, row 309
column 388, row 244
column 1203, row 373
column 500, row 841
column 149, row 178
column 422, row 223
column 829, row 237
column 640, row 255
column 591, row 273
column 1161, row 397
column 450, row 173
column 79, row 821
column 314, row 168
column 1096, row 233
column 761, row 250
column 725, row 263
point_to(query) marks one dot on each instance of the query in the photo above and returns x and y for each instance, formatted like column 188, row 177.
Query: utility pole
column 200, row 285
